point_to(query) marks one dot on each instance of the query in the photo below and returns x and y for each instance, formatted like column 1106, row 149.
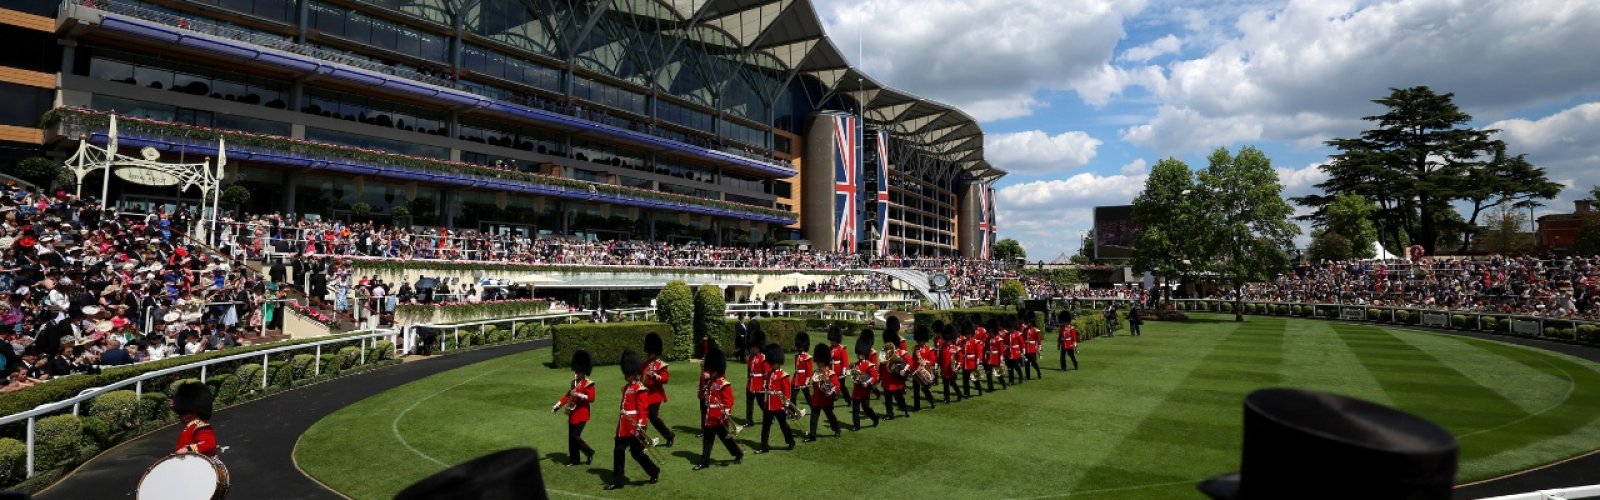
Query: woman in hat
column 821, row 398
column 577, row 401
column 192, row 403
column 719, row 401
column 631, row 425
column 863, row 387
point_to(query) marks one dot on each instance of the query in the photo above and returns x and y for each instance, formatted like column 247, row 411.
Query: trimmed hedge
column 977, row 315
column 56, row 440
column 301, row 367
column 99, row 432
column 153, row 407
column 117, row 407
column 13, row 461
column 604, row 341
column 229, row 388
column 710, row 318
column 850, row 327
column 329, row 364
column 280, row 375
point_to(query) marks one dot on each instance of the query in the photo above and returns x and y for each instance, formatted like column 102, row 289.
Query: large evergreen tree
column 1246, row 232
column 1419, row 160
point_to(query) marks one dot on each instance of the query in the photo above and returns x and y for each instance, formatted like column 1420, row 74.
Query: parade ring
column 1145, row 418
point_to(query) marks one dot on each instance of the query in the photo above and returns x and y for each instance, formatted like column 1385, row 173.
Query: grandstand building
column 733, row 122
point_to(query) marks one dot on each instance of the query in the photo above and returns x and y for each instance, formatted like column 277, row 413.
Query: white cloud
column 1566, row 144
column 1302, row 181
column 1048, row 216
column 987, row 58
column 1035, row 152
column 1134, row 167
column 1169, row 44
column 1304, row 71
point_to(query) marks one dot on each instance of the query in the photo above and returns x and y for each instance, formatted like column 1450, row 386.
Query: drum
column 184, row 477
column 925, row 375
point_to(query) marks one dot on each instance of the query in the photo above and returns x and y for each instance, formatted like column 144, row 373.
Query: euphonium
column 821, row 382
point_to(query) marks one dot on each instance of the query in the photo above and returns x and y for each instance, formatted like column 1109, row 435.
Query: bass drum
column 184, row 477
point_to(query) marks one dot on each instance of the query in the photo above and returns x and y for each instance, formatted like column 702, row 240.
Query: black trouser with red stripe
column 1069, row 352
column 575, row 444
column 619, row 463
column 709, row 435
column 661, row 427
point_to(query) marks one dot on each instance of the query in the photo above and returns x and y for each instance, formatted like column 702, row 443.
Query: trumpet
column 646, row 441
column 733, row 428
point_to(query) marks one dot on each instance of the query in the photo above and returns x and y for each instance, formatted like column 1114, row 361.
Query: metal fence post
column 264, row 370
column 363, row 341
column 318, row 362
column 30, row 446
column 456, row 333
column 203, row 373
column 138, row 388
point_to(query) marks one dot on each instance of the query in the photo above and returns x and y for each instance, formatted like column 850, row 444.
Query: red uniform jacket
column 803, row 366
column 841, row 359
column 635, row 410
column 970, row 354
column 585, row 392
column 896, row 381
column 949, row 360
column 819, row 399
column 198, row 437
column 860, row 391
column 1033, row 340
column 758, row 374
column 982, row 335
column 719, row 406
column 1069, row 337
column 655, row 381
column 705, row 381
column 996, row 350
column 928, row 356
column 777, row 389
column 1014, row 344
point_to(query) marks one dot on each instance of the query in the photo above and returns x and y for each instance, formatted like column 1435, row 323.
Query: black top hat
column 864, row 342
column 632, row 364
column 801, row 340
column 715, row 362
column 774, row 353
column 892, row 325
column 507, row 475
column 1307, row 444
column 193, row 397
column 835, row 334
column 652, row 344
column 582, row 362
column 822, row 355
column 921, row 334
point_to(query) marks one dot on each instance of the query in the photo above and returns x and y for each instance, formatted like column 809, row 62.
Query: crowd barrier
column 1591, row 491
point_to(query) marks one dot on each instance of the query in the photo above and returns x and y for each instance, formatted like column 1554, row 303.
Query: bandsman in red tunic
column 892, row 372
column 756, row 373
column 839, row 355
column 635, row 415
column 804, row 366
column 655, row 383
column 718, row 395
column 863, row 380
column 777, row 399
column 576, row 401
column 950, row 361
column 1068, row 341
column 192, row 403
column 1031, row 351
column 971, row 362
column 994, row 355
column 1014, row 348
column 822, row 391
column 924, row 358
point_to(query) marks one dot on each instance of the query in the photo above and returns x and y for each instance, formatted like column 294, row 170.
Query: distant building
column 1557, row 232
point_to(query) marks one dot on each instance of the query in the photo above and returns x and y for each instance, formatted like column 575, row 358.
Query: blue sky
column 1078, row 97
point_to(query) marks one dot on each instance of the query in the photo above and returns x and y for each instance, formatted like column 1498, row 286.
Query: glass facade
column 365, row 29
column 186, row 78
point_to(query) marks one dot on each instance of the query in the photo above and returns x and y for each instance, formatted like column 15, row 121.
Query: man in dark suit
column 278, row 272
column 741, row 337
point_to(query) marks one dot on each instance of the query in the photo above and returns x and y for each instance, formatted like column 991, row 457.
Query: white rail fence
column 1591, row 491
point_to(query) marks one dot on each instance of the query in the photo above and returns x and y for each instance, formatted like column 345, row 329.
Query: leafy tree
column 41, row 171
column 1085, row 253
column 675, row 307
column 1247, row 234
column 1008, row 249
column 1163, row 212
column 1012, row 292
column 1588, row 241
column 1420, row 160
column 710, row 311
column 1349, row 217
column 1328, row 245
column 1503, row 233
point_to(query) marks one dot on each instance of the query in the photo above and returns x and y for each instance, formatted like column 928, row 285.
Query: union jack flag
column 845, row 184
column 986, row 222
column 883, row 193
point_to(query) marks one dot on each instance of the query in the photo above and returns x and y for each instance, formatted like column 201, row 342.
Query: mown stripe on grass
column 1318, row 360
column 1420, row 383
column 1530, row 386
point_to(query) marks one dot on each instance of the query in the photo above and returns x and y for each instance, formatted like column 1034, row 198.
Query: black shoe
column 791, row 446
column 836, row 433
column 874, row 422
column 809, row 439
column 671, row 439
column 655, row 478
column 760, row 451
column 701, row 467
column 738, row 459
column 613, row 486
column 572, row 464
column 855, row 428
column 906, row 415
column 589, row 459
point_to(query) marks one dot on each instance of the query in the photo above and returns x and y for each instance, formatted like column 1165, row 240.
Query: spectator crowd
column 1558, row 287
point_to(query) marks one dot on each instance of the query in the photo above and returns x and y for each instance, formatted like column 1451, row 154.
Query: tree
column 1247, row 233
column 41, row 171
column 1588, row 240
column 1008, row 249
column 1163, row 213
column 1085, row 253
column 710, row 313
column 1012, row 292
column 675, row 307
column 1349, row 217
column 1328, row 245
column 236, row 195
column 1503, row 233
column 1418, row 162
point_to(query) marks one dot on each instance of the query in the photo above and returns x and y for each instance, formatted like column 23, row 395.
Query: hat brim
column 1224, row 487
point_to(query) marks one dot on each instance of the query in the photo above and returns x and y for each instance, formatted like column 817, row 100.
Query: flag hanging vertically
column 986, row 222
column 883, row 193
column 845, row 186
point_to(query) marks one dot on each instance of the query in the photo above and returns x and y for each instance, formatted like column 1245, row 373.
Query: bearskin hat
column 632, row 364
column 582, row 362
column 949, row 333
column 774, row 354
column 652, row 344
column 801, row 340
column 864, row 342
column 716, row 362
column 891, row 336
column 193, row 397
column 1064, row 317
column 834, row 333
column 756, row 338
column 921, row 333
column 892, row 325
column 822, row 355
column 938, row 326
column 993, row 326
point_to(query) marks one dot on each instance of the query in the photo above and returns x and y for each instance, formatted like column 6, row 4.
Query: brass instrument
column 822, row 382
column 646, row 441
column 858, row 376
column 733, row 428
column 791, row 411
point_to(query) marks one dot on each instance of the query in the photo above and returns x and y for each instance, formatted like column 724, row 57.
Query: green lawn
column 1147, row 417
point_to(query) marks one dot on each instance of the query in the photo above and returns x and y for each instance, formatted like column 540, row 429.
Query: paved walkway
column 261, row 434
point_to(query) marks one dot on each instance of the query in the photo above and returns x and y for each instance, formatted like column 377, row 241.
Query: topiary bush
column 100, row 432
column 675, row 308
column 710, row 314
column 1375, row 314
column 1402, row 317
column 1460, row 321
column 533, row 331
column 604, row 341
column 155, row 409
column 280, row 375
column 1549, row 331
column 349, row 356
column 228, row 388
column 1587, row 333
column 330, row 364
column 249, row 378
column 13, row 461
column 1490, row 324
column 300, row 366
column 55, row 440
column 381, row 350
column 120, row 408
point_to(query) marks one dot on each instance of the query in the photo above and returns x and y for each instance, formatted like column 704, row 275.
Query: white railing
column 1591, row 491
column 410, row 332
column 802, row 313
column 1519, row 324
column 137, row 381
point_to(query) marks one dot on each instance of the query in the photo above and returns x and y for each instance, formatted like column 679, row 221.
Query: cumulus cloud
column 1169, row 44
column 1301, row 72
column 1134, row 167
column 1566, row 144
column 988, row 58
column 1048, row 216
column 1036, row 152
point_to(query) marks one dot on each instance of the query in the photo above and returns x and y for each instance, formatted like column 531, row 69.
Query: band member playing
column 994, row 355
column 705, row 381
column 655, row 383
column 718, row 395
column 804, row 366
column 577, row 401
column 1068, row 342
column 838, row 354
column 777, row 399
column 1014, row 348
column 895, row 368
column 635, row 413
column 825, row 389
column 756, row 373
column 925, row 358
column 971, row 353
column 864, row 382
column 949, row 361
column 1031, row 351
column 192, row 403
